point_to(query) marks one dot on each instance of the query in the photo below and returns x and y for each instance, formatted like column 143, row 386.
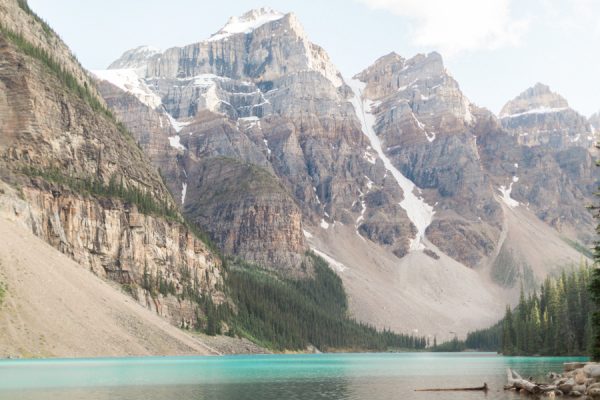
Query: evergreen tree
column 558, row 321
column 508, row 340
column 595, row 292
column 595, row 296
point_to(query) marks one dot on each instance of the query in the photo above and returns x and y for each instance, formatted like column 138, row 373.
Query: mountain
column 73, row 176
column 595, row 121
column 269, row 97
column 557, row 152
column 432, row 210
column 540, row 116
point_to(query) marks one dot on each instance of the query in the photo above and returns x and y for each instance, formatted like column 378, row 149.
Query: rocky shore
column 579, row 379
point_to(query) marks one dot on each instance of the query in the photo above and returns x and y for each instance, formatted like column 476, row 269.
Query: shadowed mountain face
column 270, row 150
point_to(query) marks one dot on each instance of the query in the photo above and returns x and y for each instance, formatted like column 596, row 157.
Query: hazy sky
column 494, row 48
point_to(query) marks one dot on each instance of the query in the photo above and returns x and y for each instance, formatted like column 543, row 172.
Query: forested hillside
column 291, row 314
column 557, row 320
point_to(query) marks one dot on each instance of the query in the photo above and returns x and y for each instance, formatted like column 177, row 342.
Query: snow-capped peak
column 129, row 81
column 135, row 58
column 247, row 22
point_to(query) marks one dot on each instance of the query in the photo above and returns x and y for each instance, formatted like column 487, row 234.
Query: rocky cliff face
column 426, row 126
column 82, row 180
column 395, row 171
column 540, row 153
column 540, row 117
column 16, row 16
column 260, row 92
column 595, row 121
column 268, row 96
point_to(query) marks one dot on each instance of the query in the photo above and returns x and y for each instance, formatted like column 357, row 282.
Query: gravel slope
column 55, row 308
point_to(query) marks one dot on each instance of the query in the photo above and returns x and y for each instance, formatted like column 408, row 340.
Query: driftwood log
column 483, row 388
column 579, row 379
column 516, row 381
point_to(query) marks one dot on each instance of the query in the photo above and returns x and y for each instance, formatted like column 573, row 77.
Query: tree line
column 283, row 313
column 556, row 320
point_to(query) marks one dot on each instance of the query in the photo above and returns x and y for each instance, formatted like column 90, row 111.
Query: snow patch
column 178, row 126
column 371, row 159
column 247, row 23
column 538, row 110
column 332, row 261
column 307, row 234
column 129, row 81
column 419, row 212
column 267, row 144
column 175, row 142
column 509, row 201
column 468, row 117
column 324, row 224
column 183, row 192
column 249, row 122
column 429, row 135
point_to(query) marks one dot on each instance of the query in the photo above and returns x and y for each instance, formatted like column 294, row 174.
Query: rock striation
column 262, row 93
column 427, row 127
column 539, row 116
column 64, row 160
column 271, row 151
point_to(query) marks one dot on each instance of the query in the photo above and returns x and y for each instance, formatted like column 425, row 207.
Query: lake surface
column 269, row 377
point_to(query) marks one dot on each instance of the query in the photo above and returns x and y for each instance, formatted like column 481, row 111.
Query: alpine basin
column 319, row 376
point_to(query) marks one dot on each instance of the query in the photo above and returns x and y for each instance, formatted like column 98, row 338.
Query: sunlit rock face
column 539, row 116
column 59, row 154
column 259, row 93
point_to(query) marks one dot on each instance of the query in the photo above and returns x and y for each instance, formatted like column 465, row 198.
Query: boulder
column 594, row 386
column 567, row 386
column 572, row 366
column 580, row 377
column 593, row 371
column 579, row 388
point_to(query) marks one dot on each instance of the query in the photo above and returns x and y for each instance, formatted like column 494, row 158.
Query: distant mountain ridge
column 539, row 115
column 395, row 167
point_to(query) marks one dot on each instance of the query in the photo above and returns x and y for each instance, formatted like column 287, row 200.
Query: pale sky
column 494, row 48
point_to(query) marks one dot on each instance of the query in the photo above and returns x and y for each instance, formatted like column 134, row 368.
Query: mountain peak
column 247, row 22
column 135, row 58
column 538, row 98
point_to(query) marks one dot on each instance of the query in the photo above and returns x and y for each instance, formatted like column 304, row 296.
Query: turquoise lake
column 315, row 376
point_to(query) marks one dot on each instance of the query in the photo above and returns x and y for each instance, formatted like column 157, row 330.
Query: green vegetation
column 25, row 7
column 144, row 200
column 595, row 291
column 557, row 321
column 489, row 339
column 586, row 251
column 2, row 292
column 291, row 314
column 453, row 345
column 594, row 336
column 63, row 75
column 507, row 270
column 208, row 316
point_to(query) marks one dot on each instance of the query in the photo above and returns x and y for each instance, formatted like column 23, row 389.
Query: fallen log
column 516, row 381
column 483, row 388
